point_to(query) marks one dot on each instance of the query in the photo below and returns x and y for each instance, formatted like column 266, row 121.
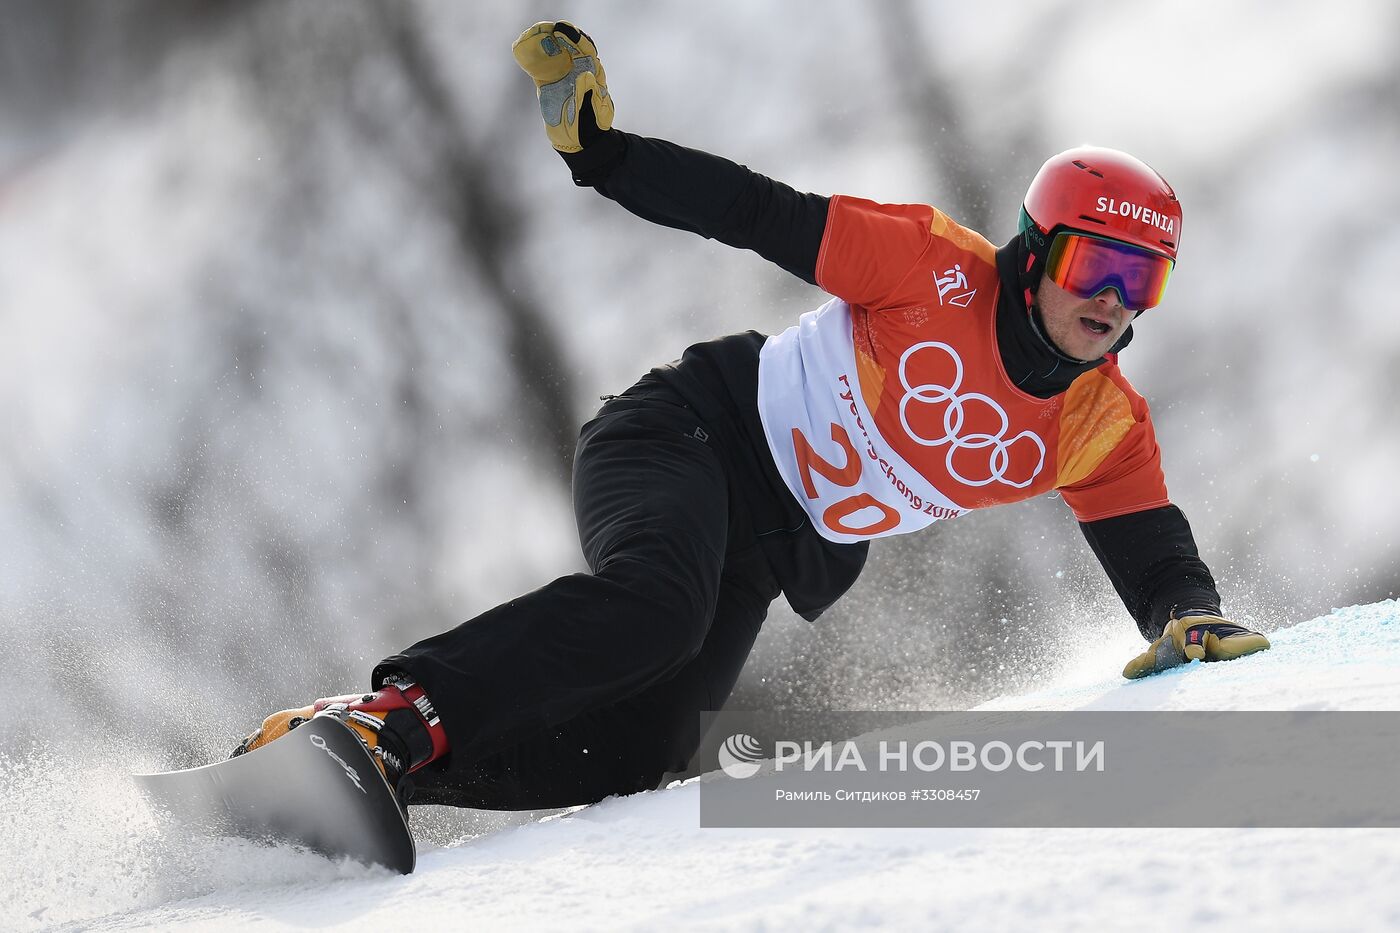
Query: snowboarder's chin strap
column 1038, row 328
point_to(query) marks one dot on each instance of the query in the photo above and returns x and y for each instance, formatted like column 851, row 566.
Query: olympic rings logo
column 954, row 417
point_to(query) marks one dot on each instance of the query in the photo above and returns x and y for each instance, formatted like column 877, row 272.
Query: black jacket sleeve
column 1152, row 560
column 705, row 194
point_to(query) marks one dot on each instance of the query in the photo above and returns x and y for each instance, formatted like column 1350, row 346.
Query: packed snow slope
column 643, row 862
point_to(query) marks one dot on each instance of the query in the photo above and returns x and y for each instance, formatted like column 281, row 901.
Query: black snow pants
column 593, row 684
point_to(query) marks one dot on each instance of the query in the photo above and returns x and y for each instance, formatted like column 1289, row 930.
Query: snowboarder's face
column 1084, row 328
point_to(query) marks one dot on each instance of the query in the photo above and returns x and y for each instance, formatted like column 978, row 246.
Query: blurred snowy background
column 300, row 314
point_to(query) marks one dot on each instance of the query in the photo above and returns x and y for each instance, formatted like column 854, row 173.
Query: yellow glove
column 573, row 92
column 1195, row 638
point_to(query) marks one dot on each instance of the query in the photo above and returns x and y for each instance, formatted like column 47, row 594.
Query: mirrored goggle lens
column 1086, row 265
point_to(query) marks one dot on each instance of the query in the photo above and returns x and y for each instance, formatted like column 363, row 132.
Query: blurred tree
column 468, row 181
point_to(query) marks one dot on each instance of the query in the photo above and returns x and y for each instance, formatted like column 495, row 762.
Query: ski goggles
column 1084, row 265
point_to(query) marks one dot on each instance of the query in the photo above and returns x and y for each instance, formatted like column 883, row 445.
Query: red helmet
column 1104, row 192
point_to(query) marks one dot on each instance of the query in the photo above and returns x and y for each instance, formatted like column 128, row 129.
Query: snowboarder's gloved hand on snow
column 397, row 723
column 1196, row 636
column 569, row 80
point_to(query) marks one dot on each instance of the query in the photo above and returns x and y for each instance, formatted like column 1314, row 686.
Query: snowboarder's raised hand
column 1195, row 638
column 569, row 79
column 396, row 723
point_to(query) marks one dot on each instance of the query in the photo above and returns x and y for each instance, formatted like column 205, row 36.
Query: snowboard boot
column 397, row 724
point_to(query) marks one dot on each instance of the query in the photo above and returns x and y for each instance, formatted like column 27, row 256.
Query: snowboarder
column 944, row 375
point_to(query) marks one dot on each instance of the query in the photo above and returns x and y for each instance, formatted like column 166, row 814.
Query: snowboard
column 316, row 787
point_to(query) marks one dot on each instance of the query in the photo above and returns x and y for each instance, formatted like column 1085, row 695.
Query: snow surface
column 643, row 862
